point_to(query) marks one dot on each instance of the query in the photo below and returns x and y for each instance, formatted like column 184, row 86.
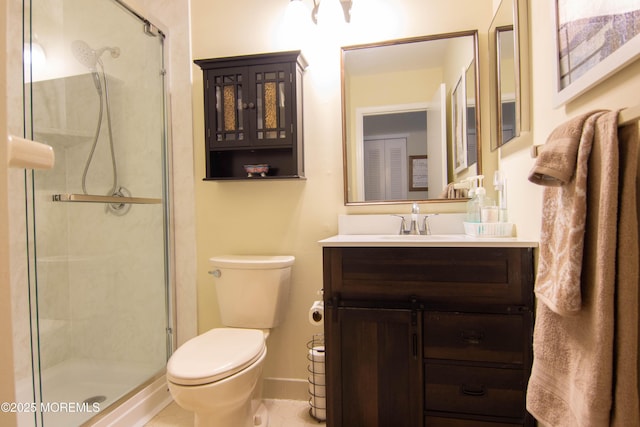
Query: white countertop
column 436, row 240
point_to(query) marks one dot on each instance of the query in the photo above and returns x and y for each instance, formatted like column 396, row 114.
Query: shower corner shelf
column 62, row 137
column 92, row 198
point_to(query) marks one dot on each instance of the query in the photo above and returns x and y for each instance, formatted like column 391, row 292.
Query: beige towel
column 626, row 398
column 585, row 364
column 562, row 166
column 450, row 192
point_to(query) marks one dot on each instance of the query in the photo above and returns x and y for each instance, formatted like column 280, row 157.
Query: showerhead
column 89, row 57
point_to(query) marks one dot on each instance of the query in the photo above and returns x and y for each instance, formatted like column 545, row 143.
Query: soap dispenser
column 480, row 208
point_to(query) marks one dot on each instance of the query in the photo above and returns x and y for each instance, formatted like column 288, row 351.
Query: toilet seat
column 215, row 355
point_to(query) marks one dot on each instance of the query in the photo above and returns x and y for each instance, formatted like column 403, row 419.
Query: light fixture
column 345, row 4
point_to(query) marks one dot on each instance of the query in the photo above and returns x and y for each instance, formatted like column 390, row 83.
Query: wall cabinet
column 253, row 115
column 428, row 336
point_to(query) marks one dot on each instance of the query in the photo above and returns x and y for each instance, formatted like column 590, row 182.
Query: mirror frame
column 519, row 22
column 345, row 49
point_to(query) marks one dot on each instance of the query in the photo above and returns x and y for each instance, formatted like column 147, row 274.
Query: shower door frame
column 155, row 28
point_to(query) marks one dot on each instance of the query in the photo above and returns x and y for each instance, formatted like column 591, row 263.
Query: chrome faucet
column 414, row 227
column 426, row 229
column 415, row 212
column 403, row 225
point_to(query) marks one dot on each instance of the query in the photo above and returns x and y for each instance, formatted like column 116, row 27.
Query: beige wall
column 289, row 217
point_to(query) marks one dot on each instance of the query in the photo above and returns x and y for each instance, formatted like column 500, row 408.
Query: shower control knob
column 215, row 273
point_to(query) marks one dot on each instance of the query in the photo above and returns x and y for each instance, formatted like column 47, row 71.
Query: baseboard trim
column 285, row 388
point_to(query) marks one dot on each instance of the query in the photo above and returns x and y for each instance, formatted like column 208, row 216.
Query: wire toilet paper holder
column 317, row 385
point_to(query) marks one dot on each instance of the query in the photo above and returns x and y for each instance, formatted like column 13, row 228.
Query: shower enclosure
column 98, row 240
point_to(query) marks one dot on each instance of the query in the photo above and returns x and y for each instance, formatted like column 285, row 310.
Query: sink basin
column 426, row 237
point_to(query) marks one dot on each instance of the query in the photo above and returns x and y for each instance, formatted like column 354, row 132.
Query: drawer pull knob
column 476, row 391
column 472, row 337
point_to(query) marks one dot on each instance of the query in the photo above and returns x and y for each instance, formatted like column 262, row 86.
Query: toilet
column 217, row 374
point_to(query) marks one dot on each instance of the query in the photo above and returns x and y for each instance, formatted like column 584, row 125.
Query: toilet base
column 232, row 402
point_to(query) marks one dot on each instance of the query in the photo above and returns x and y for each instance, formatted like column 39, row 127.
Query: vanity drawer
column 496, row 338
column 475, row 390
column 457, row 275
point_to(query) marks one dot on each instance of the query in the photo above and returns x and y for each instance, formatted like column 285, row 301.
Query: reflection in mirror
column 505, row 45
column 508, row 67
column 397, row 124
column 472, row 137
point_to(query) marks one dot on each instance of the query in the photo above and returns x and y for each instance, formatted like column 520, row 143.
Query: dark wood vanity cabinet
column 253, row 115
column 426, row 336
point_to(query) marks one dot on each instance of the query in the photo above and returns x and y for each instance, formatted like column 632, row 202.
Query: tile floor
column 282, row 413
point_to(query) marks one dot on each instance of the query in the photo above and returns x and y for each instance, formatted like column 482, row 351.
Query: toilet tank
column 252, row 290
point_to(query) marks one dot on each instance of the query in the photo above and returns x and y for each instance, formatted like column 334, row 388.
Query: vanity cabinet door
column 374, row 367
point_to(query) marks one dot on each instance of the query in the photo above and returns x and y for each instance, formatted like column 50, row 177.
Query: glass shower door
column 99, row 256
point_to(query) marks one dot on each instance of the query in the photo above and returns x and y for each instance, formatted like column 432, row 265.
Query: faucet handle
column 426, row 229
column 403, row 225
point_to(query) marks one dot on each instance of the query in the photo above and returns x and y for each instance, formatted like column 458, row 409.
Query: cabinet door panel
column 226, row 92
column 492, row 338
column 374, row 371
column 271, row 95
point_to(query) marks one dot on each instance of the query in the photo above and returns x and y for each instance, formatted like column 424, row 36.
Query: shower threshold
column 92, row 198
column 78, row 389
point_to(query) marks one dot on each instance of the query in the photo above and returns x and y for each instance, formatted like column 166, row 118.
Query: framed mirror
column 507, row 71
column 410, row 118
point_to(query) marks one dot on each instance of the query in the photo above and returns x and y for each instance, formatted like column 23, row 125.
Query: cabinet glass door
column 230, row 107
column 272, row 102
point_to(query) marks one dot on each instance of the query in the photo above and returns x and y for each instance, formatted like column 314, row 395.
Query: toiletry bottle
column 500, row 184
column 473, row 208
column 479, row 201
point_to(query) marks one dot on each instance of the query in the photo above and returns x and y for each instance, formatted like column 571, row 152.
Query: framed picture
column 459, row 124
column 418, row 180
column 593, row 40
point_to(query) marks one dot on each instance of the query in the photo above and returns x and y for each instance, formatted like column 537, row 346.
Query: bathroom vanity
column 427, row 330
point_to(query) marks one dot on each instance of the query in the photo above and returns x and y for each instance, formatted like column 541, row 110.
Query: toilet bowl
column 217, row 375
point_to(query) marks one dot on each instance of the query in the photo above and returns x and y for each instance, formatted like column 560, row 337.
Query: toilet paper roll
column 316, row 354
column 319, row 403
column 316, row 313
column 320, row 414
column 317, row 390
column 317, row 378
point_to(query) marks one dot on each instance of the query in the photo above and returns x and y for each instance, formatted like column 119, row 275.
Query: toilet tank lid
column 215, row 355
column 252, row 261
